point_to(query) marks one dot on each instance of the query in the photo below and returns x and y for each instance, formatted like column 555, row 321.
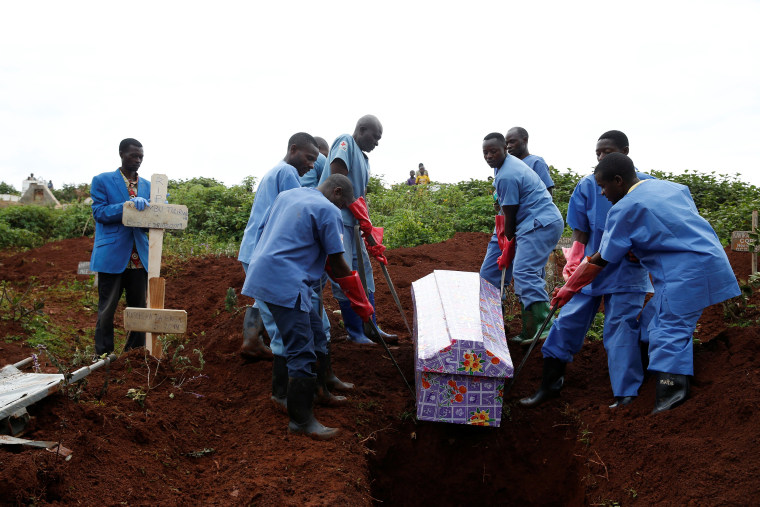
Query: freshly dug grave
column 212, row 437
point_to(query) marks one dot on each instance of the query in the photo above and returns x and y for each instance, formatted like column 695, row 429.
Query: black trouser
column 110, row 287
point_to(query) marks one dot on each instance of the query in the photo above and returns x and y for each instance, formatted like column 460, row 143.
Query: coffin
column 461, row 355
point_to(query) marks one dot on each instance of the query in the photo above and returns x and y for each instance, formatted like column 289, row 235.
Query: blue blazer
column 113, row 241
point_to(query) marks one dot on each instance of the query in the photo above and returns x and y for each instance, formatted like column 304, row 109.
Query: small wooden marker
column 747, row 241
column 156, row 217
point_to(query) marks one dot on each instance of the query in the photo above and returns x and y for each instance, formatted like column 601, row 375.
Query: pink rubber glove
column 359, row 209
column 582, row 276
column 506, row 246
column 378, row 249
column 352, row 287
column 573, row 256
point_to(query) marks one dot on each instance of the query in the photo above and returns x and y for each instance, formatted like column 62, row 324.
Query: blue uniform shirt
column 587, row 212
column 300, row 230
column 516, row 183
column 346, row 149
column 659, row 222
column 311, row 178
column 538, row 164
column 281, row 177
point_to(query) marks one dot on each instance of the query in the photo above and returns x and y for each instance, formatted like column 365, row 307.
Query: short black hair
column 497, row 136
column 302, row 140
column 617, row 137
column 322, row 144
column 520, row 132
column 126, row 143
column 616, row 164
column 338, row 180
column 421, row 165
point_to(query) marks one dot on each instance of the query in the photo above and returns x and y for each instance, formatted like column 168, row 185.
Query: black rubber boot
column 551, row 383
column 332, row 381
column 300, row 409
column 671, row 390
column 324, row 396
column 253, row 344
column 280, row 383
column 621, row 401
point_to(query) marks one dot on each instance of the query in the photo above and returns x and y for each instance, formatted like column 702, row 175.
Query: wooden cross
column 156, row 217
column 747, row 241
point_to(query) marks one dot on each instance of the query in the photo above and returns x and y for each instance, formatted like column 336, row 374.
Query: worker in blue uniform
column 526, row 232
column 301, row 238
column 300, row 158
column 347, row 157
column 517, row 146
column 622, row 286
column 659, row 224
column 311, row 180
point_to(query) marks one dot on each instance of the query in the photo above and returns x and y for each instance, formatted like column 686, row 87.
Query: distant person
column 50, row 184
column 526, row 232
column 302, row 232
column 347, row 157
column 622, row 286
column 517, row 145
column 412, row 178
column 423, row 178
column 659, row 224
column 120, row 253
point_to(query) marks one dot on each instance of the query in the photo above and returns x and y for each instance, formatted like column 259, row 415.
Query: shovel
column 530, row 349
column 370, row 328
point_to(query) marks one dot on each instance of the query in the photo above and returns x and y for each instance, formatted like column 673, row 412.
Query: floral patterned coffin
column 461, row 355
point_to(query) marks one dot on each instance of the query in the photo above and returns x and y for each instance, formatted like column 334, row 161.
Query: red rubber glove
column 378, row 249
column 573, row 256
column 506, row 246
column 359, row 209
column 352, row 287
column 582, row 276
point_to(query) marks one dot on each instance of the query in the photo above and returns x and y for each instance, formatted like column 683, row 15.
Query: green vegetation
column 5, row 188
column 410, row 215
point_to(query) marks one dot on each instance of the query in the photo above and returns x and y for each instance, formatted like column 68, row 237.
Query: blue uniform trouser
column 350, row 255
column 275, row 338
column 621, row 336
column 669, row 335
column 528, row 267
column 301, row 334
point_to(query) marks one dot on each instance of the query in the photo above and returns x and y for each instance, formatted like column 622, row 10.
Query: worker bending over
column 658, row 222
column 527, row 230
column 302, row 230
column 622, row 286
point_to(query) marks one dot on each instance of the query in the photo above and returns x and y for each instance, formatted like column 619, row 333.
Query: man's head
column 322, row 145
column 302, row 152
column 131, row 153
column 411, row 173
column 368, row 132
column 494, row 149
column 612, row 141
column 615, row 175
column 338, row 189
column 517, row 142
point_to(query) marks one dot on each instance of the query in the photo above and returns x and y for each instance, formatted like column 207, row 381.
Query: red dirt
column 574, row 451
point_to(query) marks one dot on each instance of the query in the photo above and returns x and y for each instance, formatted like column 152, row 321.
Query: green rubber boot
column 532, row 318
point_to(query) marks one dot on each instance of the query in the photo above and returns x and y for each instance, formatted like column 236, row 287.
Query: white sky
column 216, row 88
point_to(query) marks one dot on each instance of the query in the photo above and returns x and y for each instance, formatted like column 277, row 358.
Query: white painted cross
column 157, row 217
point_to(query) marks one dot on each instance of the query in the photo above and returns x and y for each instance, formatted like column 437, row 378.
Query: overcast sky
column 216, row 88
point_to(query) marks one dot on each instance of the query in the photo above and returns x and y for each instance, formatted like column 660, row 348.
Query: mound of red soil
column 213, row 437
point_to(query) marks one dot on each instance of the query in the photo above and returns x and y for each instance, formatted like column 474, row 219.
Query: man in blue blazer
column 120, row 254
